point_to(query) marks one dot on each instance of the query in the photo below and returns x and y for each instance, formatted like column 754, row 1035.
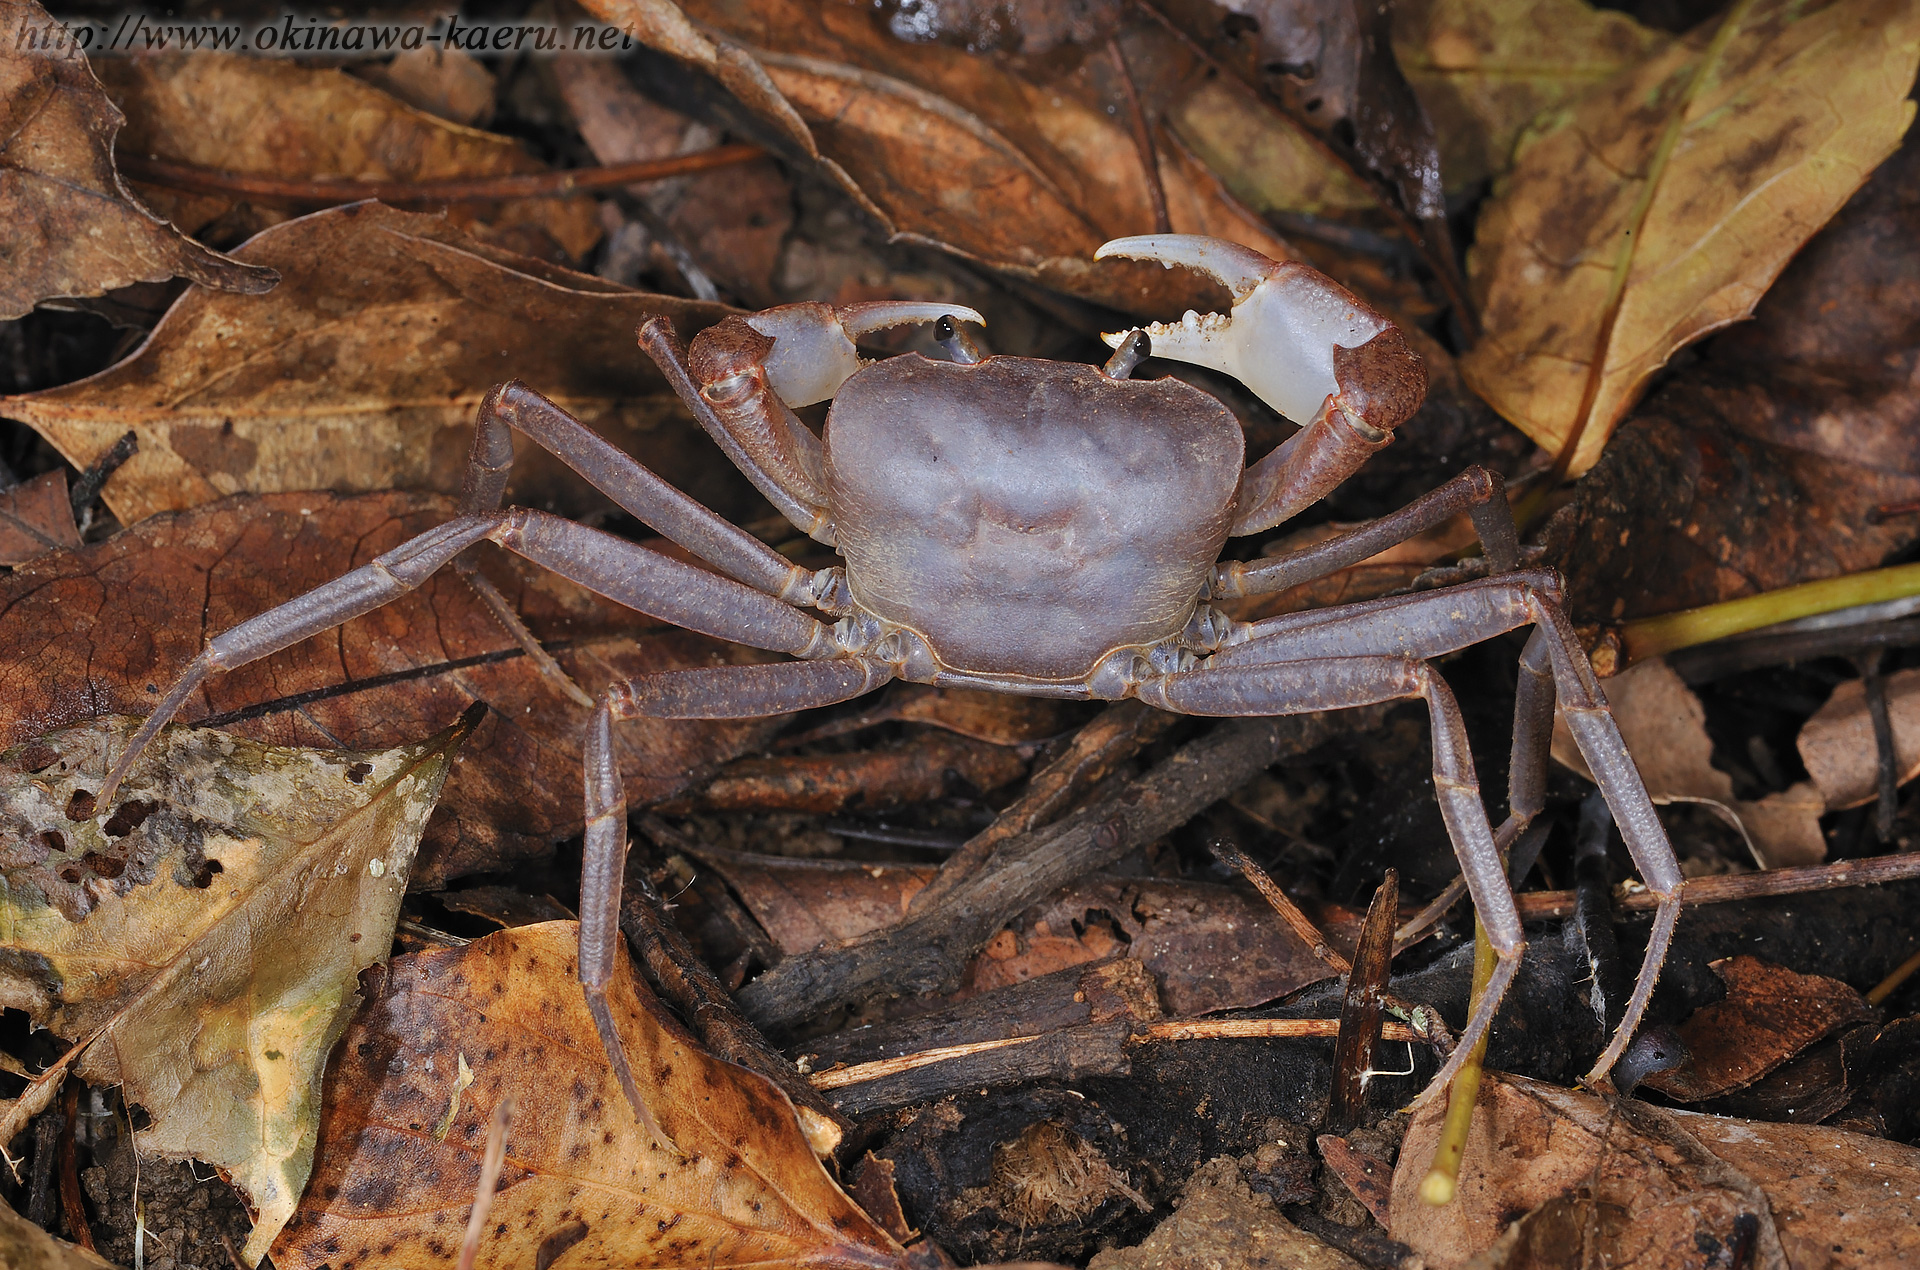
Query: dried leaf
column 1223, row 1222
column 71, row 227
column 1643, row 1187
column 273, row 117
column 1263, row 158
column 924, row 768
column 954, row 151
column 35, row 518
column 24, row 1246
column 747, row 1191
column 210, row 929
column 104, row 629
column 362, row 370
column 1837, row 743
column 1762, row 466
column 1485, row 69
column 1768, row 1015
column 1661, row 206
column 1665, row 727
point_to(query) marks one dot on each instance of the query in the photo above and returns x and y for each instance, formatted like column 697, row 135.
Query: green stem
column 1442, row 1181
column 1652, row 636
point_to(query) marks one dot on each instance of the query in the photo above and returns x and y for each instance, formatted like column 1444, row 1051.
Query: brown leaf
column 1768, row 1015
column 274, row 117
column 996, row 717
column 1837, row 743
column 203, row 939
column 747, row 1191
column 1665, row 728
column 104, row 629
column 1223, row 1222
column 955, row 151
column 35, row 518
column 1661, row 206
column 1642, row 1187
column 70, row 226
column 362, row 370
column 1762, row 465
column 24, row 1246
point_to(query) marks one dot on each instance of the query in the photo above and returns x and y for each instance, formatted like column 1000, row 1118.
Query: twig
column 70, row 1202
column 489, row 1178
column 1230, row 854
column 326, row 193
column 1729, row 887
column 930, row 949
column 1360, row 1012
column 1886, row 759
column 1142, row 138
column 87, row 487
column 1651, row 636
column 690, row 986
column 1891, row 984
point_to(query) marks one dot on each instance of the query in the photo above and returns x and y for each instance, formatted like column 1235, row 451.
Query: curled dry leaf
column 579, row 1172
column 203, row 938
column 1485, row 69
column 104, row 628
column 1665, row 728
column 1838, row 747
column 1661, row 206
column 1769, row 1015
column 362, row 371
column 68, row 224
column 1641, row 1187
column 955, row 151
column 272, row 117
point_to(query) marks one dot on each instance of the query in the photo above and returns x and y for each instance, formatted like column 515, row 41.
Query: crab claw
column 1294, row 336
column 813, row 344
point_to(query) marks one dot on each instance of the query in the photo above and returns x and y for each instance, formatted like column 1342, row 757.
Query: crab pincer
column 1306, row 346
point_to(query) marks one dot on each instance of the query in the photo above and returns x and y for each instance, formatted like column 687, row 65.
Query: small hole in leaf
column 204, row 877
column 104, row 865
column 359, row 772
column 128, row 816
column 80, row 806
column 37, row 758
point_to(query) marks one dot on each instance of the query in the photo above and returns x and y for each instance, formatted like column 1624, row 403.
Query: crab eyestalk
column 1306, row 346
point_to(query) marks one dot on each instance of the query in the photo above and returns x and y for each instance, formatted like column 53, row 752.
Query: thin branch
column 1230, row 854
column 1142, row 130
column 327, row 193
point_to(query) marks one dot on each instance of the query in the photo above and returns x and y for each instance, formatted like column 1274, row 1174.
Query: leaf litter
column 987, row 149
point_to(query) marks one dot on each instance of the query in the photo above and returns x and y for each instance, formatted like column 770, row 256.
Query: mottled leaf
column 363, row 369
column 1661, row 206
column 105, row 628
column 204, row 936
column 35, row 518
column 745, row 1189
column 68, row 224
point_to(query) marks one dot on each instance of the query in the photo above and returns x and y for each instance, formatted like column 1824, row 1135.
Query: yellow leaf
column 203, row 938
column 1662, row 205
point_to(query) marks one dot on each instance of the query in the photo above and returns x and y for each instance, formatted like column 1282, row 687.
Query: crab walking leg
column 1437, row 622
column 1296, row 688
column 625, row 572
column 1477, row 491
column 725, row 692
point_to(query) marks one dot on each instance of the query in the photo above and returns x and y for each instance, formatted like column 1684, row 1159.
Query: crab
column 1035, row 527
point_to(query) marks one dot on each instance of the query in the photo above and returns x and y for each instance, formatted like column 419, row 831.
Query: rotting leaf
column 747, row 1191
column 1662, row 205
column 1665, row 728
column 68, row 225
column 204, row 937
column 363, row 369
column 24, row 1246
column 103, row 628
column 1768, row 1015
column 272, row 117
column 1648, row 1188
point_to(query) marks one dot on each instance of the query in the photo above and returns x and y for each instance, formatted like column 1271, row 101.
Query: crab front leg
column 743, row 377
column 1306, row 346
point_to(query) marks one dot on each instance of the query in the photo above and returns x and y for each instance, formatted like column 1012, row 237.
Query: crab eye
column 729, row 390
